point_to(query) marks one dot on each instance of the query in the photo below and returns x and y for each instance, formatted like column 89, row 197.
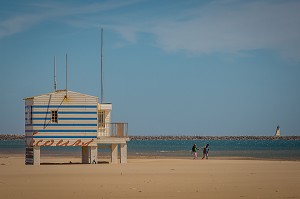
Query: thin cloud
column 17, row 24
column 53, row 11
column 224, row 28
column 199, row 28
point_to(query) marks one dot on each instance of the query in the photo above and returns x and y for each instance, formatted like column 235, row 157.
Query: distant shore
column 180, row 137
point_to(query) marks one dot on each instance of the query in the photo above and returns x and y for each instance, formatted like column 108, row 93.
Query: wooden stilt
column 114, row 153
column 85, row 154
column 123, row 153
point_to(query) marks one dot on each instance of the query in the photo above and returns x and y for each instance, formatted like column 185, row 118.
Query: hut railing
column 114, row 130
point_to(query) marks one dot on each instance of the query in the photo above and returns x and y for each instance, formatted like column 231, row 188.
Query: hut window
column 54, row 116
column 101, row 119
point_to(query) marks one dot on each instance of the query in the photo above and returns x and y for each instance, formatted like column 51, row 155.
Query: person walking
column 194, row 151
column 205, row 150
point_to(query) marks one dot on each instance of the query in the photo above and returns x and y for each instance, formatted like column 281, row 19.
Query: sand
column 150, row 178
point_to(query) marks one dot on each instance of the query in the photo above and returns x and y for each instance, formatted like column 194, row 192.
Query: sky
column 172, row 67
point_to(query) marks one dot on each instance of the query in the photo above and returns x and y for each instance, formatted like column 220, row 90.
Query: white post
column 36, row 155
column 93, row 151
column 123, row 153
column 114, row 153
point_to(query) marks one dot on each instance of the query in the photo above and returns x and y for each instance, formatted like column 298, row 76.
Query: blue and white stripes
column 76, row 115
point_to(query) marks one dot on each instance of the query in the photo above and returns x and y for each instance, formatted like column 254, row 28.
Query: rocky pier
column 183, row 137
column 180, row 137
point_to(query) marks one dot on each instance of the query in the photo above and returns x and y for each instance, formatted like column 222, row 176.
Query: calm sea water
column 266, row 149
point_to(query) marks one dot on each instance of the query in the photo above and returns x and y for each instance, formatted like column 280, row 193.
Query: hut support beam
column 89, row 154
column 114, row 153
column 85, row 154
column 36, row 155
column 123, row 153
column 94, row 154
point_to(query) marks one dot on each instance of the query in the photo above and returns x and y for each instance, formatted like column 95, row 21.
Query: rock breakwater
column 11, row 137
column 214, row 137
column 181, row 137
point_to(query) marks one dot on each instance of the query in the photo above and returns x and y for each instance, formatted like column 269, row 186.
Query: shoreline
column 67, row 157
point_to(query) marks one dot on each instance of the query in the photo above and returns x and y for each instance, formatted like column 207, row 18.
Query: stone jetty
column 183, row 137
column 180, row 137
column 11, row 137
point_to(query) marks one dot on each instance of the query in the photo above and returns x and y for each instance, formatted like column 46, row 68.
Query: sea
column 235, row 149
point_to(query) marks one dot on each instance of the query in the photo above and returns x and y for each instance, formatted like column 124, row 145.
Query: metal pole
column 54, row 73
column 101, row 79
column 66, row 75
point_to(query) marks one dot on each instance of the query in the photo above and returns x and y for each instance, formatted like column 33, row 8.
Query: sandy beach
column 150, row 178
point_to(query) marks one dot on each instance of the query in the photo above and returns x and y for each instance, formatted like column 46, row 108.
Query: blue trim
column 64, row 136
column 64, row 112
column 40, row 112
column 60, row 131
column 69, row 118
column 75, row 112
column 54, row 124
column 65, row 106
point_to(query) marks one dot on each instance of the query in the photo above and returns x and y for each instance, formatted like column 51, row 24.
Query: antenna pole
column 101, row 79
column 66, row 75
column 54, row 73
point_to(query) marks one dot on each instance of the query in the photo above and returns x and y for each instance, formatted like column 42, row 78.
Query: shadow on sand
column 70, row 163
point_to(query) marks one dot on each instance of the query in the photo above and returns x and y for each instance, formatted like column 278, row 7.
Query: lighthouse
column 277, row 133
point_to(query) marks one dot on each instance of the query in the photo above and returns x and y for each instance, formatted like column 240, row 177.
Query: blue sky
column 171, row 67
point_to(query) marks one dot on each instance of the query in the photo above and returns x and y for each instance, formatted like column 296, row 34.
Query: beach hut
column 65, row 118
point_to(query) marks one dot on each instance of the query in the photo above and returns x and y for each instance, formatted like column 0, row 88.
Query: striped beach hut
column 66, row 118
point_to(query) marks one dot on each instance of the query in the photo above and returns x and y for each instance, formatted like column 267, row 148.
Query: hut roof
column 59, row 92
